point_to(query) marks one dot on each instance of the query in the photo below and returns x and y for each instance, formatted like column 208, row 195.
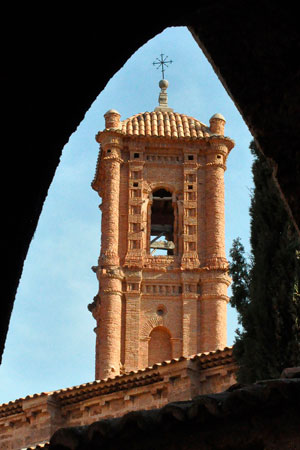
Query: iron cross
column 162, row 62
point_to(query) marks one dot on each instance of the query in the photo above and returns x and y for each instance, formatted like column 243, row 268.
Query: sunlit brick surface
column 160, row 177
column 162, row 268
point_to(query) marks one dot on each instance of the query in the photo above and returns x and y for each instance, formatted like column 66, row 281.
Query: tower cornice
column 110, row 137
column 216, row 142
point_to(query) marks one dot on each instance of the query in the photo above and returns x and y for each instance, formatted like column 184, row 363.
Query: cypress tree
column 244, row 345
column 265, row 291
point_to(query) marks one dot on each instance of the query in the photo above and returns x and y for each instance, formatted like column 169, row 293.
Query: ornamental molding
column 216, row 263
column 136, row 163
column 220, row 141
column 111, row 292
column 151, row 322
column 115, row 273
column 215, row 277
column 215, row 164
column 190, row 295
column 205, row 297
column 110, row 137
column 132, row 295
column 113, row 158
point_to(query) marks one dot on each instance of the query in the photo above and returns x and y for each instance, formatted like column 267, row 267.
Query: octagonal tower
column 162, row 270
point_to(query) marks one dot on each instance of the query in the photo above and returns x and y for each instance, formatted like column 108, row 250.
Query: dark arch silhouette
column 55, row 64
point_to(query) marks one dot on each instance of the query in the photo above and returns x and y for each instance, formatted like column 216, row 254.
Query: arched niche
column 159, row 345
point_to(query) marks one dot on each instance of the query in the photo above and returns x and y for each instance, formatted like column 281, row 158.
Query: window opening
column 162, row 223
column 190, row 157
column 136, row 155
column 160, row 311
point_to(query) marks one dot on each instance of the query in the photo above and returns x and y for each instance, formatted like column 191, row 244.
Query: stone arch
column 81, row 70
column 159, row 345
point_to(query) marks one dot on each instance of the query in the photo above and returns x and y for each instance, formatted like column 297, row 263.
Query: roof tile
column 165, row 124
column 206, row 359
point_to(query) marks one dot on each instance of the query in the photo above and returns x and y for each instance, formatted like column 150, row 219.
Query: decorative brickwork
column 162, row 269
column 159, row 346
column 30, row 421
column 163, row 276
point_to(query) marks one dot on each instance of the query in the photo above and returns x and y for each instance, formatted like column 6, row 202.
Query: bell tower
column 162, row 269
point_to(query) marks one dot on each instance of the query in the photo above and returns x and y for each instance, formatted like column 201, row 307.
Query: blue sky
column 50, row 343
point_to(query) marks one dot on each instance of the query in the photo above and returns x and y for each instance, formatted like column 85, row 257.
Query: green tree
column 265, row 291
column 244, row 345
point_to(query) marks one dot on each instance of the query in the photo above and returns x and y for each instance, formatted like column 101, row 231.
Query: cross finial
column 161, row 63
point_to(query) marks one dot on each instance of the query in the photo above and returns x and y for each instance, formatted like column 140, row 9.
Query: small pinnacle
column 163, row 97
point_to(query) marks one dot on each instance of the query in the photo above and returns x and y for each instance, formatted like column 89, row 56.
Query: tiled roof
column 164, row 123
column 103, row 387
column 141, row 377
column 241, row 408
column 136, row 378
column 15, row 406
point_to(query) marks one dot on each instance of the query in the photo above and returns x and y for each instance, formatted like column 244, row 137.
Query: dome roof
column 111, row 111
column 164, row 123
column 218, row 116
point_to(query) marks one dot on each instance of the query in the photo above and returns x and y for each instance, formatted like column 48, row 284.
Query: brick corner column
column 111, row 162
column 213, row 310
column 108, row 330
column 214, row 278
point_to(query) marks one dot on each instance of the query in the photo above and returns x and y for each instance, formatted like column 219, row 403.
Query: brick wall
column 160, row 346
column 34, row 419
column 191, row 284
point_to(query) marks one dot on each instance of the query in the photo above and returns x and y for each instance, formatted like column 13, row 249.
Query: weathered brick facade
column 160, row 175
column 32, row 420
column 161, row 318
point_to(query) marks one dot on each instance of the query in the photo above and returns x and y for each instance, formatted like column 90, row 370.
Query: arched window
column 162, row 223
column 160, row 346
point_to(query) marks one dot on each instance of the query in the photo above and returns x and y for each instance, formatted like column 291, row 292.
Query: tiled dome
column 164, row 123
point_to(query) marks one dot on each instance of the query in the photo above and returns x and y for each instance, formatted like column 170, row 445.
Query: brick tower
column 162, row 270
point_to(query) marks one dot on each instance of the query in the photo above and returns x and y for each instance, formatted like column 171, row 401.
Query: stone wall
column 258, row 73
